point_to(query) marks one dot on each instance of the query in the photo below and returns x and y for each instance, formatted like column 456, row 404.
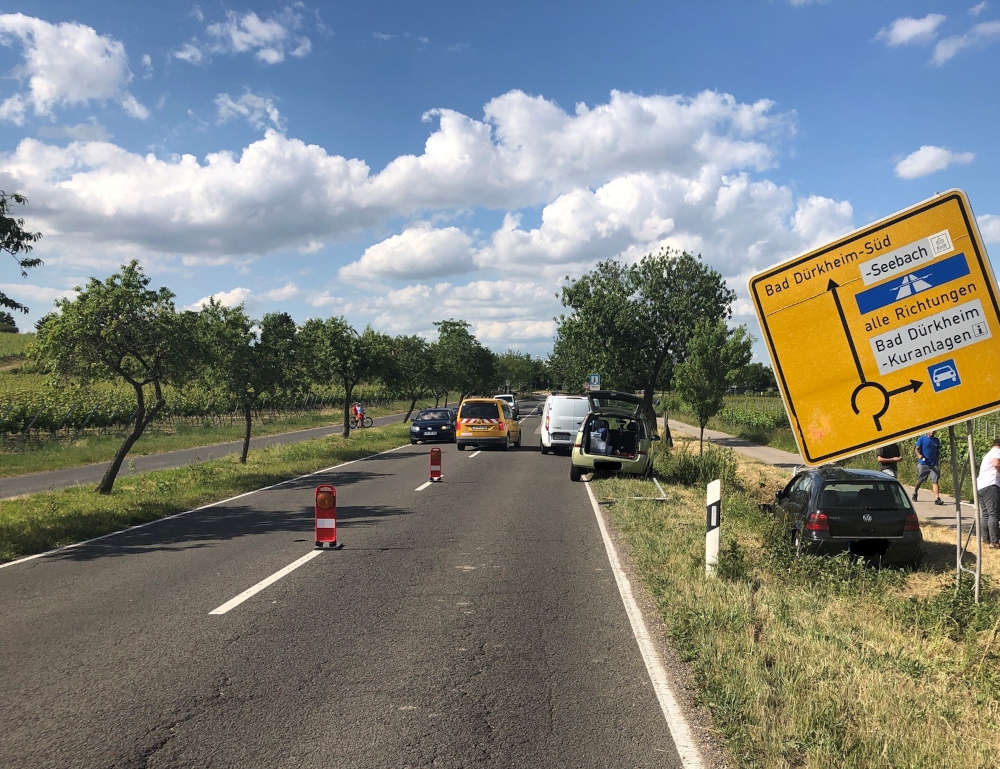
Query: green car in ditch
column 614, row 438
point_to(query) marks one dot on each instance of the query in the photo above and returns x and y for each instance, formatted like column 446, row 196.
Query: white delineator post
column 713, row 520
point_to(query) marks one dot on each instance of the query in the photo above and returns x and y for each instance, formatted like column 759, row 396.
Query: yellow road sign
column 886, row 333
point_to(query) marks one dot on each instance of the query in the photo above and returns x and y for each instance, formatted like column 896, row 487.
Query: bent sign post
column 885, row 333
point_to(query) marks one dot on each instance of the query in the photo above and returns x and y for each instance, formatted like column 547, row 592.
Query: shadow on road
column 205, row 528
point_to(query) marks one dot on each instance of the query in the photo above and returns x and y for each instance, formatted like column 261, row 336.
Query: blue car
column 433, row 425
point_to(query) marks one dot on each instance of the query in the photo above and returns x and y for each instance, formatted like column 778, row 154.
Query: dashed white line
column 232, row 603
column 423, row 486
column 687, row 749
column 475, row 454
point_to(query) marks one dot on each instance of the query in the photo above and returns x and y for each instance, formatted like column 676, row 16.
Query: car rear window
column 429, row 415
column 564, row 407
column 872, row 495
column 479, row 411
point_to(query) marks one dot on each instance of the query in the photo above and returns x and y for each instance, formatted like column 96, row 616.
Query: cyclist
column 359, row 412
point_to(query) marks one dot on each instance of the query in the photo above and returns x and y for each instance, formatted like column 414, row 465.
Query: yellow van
column 483, row 422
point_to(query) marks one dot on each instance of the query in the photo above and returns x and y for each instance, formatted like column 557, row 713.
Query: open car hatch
column 614, row 402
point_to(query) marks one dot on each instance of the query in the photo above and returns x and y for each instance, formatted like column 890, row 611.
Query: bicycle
column 366, row 421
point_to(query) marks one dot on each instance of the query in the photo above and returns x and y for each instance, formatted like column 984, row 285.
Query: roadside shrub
column 689, row 469
column 734, row 564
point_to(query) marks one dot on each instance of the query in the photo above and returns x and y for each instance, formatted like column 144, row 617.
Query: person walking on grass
column 928, row 449
column 988, row 484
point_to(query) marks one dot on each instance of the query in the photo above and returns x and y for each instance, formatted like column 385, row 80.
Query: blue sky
column 401, row 163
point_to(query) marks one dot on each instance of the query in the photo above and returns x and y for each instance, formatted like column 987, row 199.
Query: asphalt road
column 89, row 475
column 471, row 623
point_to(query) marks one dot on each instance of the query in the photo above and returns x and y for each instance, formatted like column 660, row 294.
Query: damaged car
column 614, row 438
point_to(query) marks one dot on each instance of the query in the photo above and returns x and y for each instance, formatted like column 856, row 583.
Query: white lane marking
column 687, row 749
column 194, row 509
column 662, row 492
column 422, row 486
column 475, row 454
column 232, row 603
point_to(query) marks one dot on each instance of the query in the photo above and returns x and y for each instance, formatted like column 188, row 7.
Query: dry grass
column 819, row 662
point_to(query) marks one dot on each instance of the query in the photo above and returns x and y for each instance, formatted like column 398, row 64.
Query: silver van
column 562, row 416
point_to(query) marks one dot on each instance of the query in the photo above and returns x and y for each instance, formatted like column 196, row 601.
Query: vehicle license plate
column 430, row 432
column 480, row 427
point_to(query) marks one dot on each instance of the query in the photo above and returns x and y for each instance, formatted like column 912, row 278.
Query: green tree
column 517, row 370
column 337, row 351
column 247, row 364
column 16, row 241
column 632, row 323
column 121, row 328
column 462, row 363
column 412, row 372
column 756, row 377
column 7, row 324
column 714, row 357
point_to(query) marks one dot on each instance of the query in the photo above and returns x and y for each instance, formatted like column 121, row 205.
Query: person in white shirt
column 988, row 484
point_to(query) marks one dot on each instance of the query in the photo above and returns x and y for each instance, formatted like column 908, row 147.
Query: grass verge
column 87, row 449
column 816, row 662
column 40, row 522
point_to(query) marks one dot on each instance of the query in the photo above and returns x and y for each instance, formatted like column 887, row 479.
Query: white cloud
column 497, row 310
column 257, row 110
column 13, row 109
column 282, row 294
column 989, row 227
column 231, row 298
column 527, row 151
column 267, row 39
column 147, row 66
column 420, row 251
column 190, row 53
column 91, row 131
column 928, row 160
column 65, row 64
column 907, row 30
column 33, row 296
column 978, row 8
column 980, row 35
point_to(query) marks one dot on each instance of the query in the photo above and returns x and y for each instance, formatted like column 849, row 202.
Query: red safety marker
column 326, row 516
column 435, row 464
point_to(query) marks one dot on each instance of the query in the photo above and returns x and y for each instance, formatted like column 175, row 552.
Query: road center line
column 687, row 748
column 232, row 603
column 475, row 454
column 423, row 486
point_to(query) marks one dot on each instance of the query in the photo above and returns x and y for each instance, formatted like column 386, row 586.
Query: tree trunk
column 248, row 416
column 701, row 440
column 348, row 393
column 668, row 439
column 413, row 403
column 142, row 420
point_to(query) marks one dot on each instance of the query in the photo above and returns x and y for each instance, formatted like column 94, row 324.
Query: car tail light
column 911, row 523
column 502, row 426
column 546, row 423
column 817, row 522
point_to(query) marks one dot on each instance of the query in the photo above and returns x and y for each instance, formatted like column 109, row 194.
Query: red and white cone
column 326, row 516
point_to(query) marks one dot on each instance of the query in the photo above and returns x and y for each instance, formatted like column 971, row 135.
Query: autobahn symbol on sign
column 860, row 330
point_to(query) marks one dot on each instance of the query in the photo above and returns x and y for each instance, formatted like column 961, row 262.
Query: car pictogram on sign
column 944, row 375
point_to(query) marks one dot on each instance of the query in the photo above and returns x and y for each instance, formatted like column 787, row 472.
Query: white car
column 510, row 401
column 562, row 416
